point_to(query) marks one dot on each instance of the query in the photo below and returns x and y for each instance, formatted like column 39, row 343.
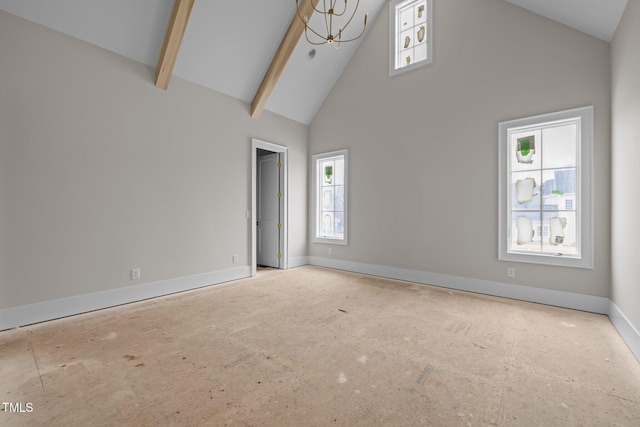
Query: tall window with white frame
column 330, row 198
column 545, row 189
column 410, row 34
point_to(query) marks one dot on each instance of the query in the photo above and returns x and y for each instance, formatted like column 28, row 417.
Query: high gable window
column 410, row 35
column 545, row 189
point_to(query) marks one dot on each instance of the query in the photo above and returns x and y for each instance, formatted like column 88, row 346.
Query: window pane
column 420, row 52
column 327, row 198
column 327, row 170
column 330, row 203
column 339, row 198
column 327, row 224
column 405, row 58
column 524, row 150
column 339, row 172
column 420, row 12
column 562, row 233
column 406, row 19
column 526, row 191
column 409, row 38
column 559, row 185
column 559, row 146
column 549, row 222
column 339, row 224
column 523, row 231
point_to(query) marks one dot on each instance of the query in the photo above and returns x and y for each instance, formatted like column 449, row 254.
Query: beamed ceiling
column 230, row 46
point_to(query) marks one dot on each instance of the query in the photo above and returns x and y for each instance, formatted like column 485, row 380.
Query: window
column 545, row 189
column 410, row 35
column 330, row 198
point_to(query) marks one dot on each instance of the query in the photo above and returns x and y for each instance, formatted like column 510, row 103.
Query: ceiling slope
column 598, row 18
column 228, row 46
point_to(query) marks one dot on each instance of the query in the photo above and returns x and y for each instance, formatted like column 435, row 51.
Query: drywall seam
column 571, row 300
column 40, row 312
column 625, row 328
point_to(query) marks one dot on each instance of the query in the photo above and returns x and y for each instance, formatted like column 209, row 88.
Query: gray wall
column 101, row 171
column 625, row 57
column 423, row 145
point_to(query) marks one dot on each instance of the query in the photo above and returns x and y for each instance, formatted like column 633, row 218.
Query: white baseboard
column 627, row 331
column 34, row 313
column 298, row 261
column 575, row 301
column 593, row 304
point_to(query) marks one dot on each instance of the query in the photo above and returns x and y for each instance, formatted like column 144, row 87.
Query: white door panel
column 268, row 243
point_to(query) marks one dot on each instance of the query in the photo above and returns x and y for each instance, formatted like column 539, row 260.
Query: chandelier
column 329, row 13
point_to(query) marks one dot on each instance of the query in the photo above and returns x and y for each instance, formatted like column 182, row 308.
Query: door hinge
column 279, row 194
column 279, row 164
column 279, row 225
column 279, row 255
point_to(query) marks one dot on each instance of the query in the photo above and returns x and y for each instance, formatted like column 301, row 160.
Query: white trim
column 298, row 261
column 393, row 71
column 49, row 310
column 625, row 328
column 284, row 232
column 571, row 300
column 585, row 186
column 590, row 303
column 316, row 196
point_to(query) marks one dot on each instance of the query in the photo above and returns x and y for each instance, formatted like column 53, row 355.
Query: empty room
column 310, row 213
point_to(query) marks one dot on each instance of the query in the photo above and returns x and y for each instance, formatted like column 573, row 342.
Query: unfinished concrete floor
column 318, row 347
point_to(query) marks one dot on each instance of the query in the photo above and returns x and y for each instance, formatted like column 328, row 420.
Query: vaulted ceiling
column 228, row 46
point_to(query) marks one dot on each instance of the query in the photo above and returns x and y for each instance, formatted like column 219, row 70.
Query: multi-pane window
column 330, row 199
column 410, row 34
column 545, row 189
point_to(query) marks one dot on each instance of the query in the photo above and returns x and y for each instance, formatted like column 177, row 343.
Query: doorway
column 268, row 205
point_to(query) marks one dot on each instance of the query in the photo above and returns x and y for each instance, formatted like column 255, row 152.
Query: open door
column 268, row 224
column 268, row 209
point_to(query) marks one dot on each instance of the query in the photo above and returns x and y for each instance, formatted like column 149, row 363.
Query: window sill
column 330, row 241
column 558, row 260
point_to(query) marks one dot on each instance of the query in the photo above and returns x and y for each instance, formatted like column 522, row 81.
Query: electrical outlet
column 135, row 273
column 511, row 272
column 236, row 258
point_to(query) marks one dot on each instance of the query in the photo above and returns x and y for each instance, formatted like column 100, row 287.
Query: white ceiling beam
column 172, row 41
column 281, row 57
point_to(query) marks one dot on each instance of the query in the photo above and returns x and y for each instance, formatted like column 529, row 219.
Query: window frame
column 316, row 195
column 584, row 192
column 393, row 43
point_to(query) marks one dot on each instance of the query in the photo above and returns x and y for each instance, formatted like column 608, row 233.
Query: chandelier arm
column 314, row 8
column 328, row 24
column 336, row 40
column 336, row 45
column 314, row 43
column 343, row 10
column 361, row 33
column 344, row 27
column 318, row 10
column 315, row 32
column 307, row 27
column 305, row 19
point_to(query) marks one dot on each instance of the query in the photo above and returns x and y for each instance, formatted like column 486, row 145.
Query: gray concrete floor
column 318, row 347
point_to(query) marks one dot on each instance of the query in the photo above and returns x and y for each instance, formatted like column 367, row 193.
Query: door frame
column 284, row 206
